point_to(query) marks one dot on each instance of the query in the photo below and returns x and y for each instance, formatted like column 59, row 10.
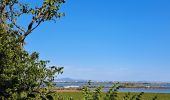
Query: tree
column 22, row 74
column 12, row 10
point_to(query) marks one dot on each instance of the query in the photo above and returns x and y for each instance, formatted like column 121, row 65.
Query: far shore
column 131, row 87
column 68, row 90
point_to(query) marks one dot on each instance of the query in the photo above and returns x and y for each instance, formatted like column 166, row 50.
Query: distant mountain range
column 81, row 80
column 69, row 80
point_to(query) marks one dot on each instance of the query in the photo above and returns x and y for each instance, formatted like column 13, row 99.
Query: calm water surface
column 123, row 89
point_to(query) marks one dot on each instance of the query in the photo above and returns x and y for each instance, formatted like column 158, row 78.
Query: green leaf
column 32, row 95
column 49, row 97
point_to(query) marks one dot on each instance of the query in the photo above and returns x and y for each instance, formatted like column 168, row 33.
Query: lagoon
column 164, row 87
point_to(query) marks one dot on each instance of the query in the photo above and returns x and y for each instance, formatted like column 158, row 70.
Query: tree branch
column 40, row 16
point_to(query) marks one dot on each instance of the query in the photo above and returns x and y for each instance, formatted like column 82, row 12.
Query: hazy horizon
column 61, row 78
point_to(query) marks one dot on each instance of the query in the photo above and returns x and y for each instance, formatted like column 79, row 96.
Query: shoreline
column 129, row 87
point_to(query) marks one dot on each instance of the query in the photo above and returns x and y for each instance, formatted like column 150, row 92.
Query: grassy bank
column 146, row 96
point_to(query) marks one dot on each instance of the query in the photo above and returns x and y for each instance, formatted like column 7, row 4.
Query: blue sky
column 119, row 40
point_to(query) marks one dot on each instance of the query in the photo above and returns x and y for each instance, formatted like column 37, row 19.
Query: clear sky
column 117, row 40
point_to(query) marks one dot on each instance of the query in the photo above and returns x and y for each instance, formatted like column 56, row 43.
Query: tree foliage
column 23, row 74
column 12, row 10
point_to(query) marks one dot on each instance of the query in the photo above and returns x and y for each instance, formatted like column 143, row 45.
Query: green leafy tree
column 23, row 75
column 12, row 10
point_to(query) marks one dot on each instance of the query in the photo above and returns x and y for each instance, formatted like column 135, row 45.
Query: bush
column 23, row 75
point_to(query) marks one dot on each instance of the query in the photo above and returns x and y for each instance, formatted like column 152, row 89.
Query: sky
column 113, row 40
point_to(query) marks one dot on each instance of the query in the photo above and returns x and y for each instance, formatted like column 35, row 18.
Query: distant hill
column 69, row 80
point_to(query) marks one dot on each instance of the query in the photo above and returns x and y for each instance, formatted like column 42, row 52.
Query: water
column 148, row 90
column 84, row 84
